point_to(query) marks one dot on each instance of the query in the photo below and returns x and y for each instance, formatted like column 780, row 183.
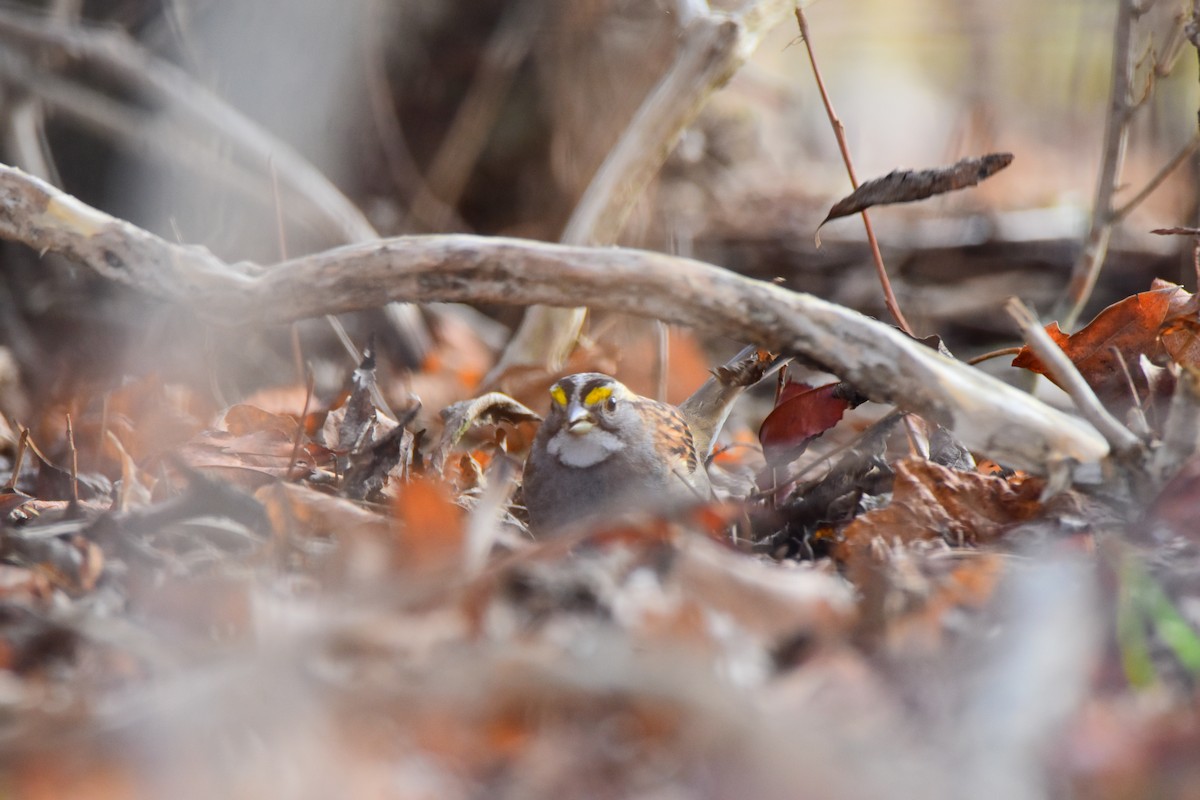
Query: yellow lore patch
column 559, row 395
column 598, row 395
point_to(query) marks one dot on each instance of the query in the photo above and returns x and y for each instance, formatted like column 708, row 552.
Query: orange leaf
column 432, row 531
column 1129, row 327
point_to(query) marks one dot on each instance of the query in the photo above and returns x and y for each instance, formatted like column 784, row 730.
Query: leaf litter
column 271, row 599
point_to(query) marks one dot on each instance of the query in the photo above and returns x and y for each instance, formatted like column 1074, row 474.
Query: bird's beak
column 579, row 419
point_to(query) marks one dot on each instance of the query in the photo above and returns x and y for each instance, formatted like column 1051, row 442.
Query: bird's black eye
column 610, row 404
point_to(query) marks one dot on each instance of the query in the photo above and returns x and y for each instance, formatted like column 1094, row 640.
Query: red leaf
column 803, row 414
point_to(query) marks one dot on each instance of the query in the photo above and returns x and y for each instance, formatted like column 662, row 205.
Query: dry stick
column 839, row 131
column 713, row 48
column 1179, row 158
column 22, row 444
column 74, row 460
column 1060, row 367
column 118, row 55
column 878, row 360
column 1086, row 270
column 1142, row 428
column 310, row 383
column 1004, row 351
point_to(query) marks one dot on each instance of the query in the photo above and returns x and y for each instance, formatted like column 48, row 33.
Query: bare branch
column 882, row 363
column 1116, row 136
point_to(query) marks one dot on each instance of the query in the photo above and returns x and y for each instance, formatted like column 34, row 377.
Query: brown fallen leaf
column 931, row 501
column 905, row 186
column 1177, row 231
column 1180, row 330
column 250, row 460
column 1123, row 332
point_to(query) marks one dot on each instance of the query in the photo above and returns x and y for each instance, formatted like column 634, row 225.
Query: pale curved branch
column 986, row 414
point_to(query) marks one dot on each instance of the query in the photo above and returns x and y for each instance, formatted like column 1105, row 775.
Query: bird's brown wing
column 672, row 437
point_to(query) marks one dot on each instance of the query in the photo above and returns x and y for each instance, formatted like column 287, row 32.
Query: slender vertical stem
column 1116, row 136
column 839, row 131
column 74, row 461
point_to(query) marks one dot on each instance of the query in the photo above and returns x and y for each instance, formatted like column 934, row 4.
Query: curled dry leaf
column 370, row 468
column 905, row 186
column 1177, row 231
column 355, row 424
column 929, row 501
column 10, row 501
column 488, row 409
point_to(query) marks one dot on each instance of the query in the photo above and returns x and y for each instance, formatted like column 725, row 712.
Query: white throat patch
column 583, row 451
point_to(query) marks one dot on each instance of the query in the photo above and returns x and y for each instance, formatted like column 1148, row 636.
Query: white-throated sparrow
column 603, row 449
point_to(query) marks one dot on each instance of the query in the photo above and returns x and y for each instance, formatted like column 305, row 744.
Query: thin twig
column 18, row 459
column 1179, row 158
column 309, row 384
column 1142, row 427
column 74, row 460
column 839, row 131
column 1060, row 367
column 1001, row 353
column 1087, row 267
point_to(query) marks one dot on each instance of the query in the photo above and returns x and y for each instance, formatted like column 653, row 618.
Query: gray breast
column 615, row 486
